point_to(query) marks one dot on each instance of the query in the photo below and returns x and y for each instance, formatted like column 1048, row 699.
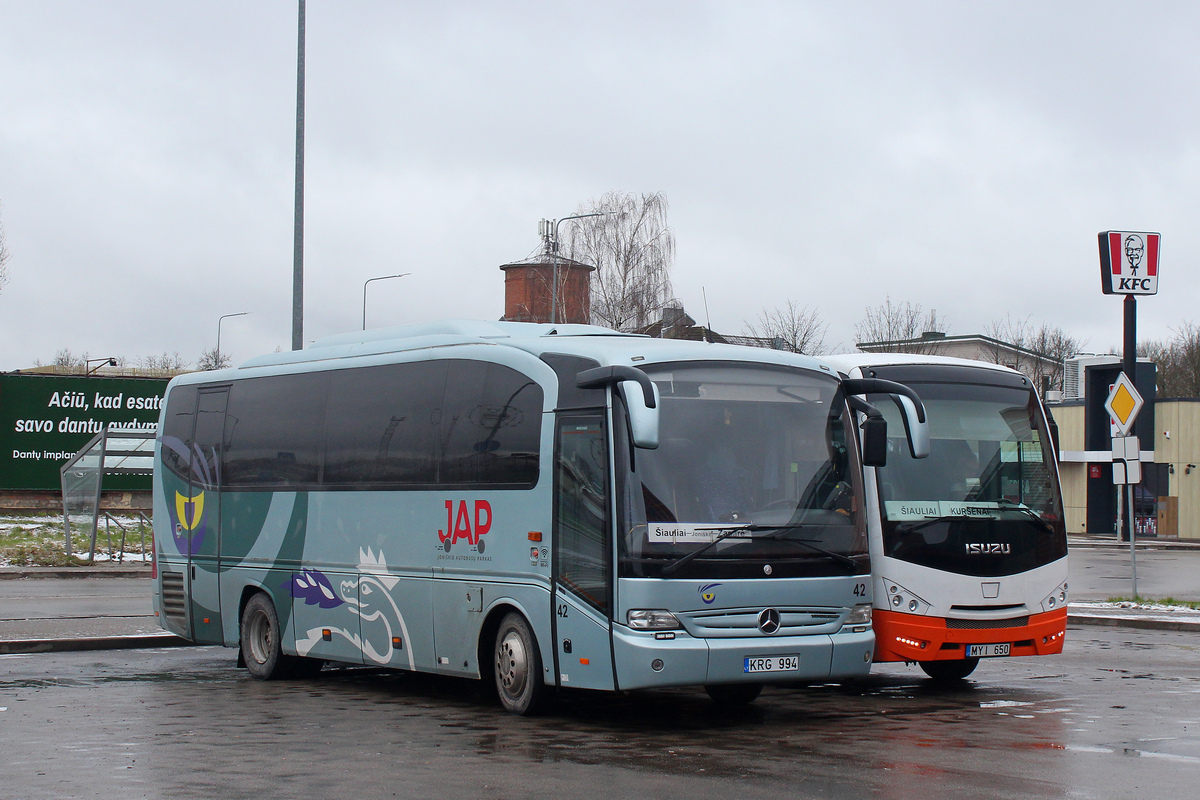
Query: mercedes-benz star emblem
column 768, row 621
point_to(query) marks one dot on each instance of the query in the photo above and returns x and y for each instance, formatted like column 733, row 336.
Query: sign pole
column 1132, row 529
column 1130, row 368
column 1129, row 356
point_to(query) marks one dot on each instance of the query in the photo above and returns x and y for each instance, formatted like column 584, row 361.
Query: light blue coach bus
column 531, row 505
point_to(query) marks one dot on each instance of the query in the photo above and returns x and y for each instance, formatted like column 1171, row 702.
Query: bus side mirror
column 912, row 410
column 640, row 395
column 874, row 442
column 915, row 426
column 643, row 419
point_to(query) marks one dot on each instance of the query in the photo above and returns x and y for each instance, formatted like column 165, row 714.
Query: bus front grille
column 174, row 605
column 736, row 622
column 983, row 624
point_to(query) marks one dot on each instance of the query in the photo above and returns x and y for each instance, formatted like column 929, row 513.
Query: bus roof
column 601, row 344
column 846, row 363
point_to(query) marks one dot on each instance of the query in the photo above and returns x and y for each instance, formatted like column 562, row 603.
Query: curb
column 1145, row 623
column 1109, row 543
column 20, row 573
column 93, row 643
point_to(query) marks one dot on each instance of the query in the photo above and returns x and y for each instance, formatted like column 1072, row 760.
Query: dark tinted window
column 208, row 443
column 584, row 547
column 567, row 368
column 274, row 429
column 177, row 430
column 381, row 425
column 490, row 423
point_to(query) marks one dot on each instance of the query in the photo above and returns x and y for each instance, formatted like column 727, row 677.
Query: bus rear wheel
column 733, row 694
column 518, row 667
column 947, row 671
column 262, row 650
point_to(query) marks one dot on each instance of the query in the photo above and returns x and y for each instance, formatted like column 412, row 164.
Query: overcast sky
column 962, row 155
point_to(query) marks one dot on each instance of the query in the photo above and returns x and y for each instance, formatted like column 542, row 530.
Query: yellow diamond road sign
column 1123, row 404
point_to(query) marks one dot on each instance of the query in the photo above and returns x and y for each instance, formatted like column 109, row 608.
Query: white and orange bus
column 968, row 546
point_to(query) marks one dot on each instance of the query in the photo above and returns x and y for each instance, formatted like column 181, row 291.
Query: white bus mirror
column 912, row 410
column 640, row 394
column 915, row 428
column 643, row 419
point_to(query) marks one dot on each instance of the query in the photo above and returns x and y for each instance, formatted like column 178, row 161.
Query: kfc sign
column 1129, row 262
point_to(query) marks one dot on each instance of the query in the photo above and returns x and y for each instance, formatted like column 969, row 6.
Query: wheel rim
column 512, row 664
column 261, row 640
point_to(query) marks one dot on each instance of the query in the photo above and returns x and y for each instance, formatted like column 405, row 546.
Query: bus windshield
column 985, row 501
column 753, row 477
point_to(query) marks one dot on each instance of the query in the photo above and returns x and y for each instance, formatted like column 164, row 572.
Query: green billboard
column 46, row 419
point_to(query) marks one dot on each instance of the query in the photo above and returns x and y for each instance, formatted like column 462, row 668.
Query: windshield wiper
column 778, row 530
column 779, row 537
column 906, row 527
column 724, row 534
column 1009, row 505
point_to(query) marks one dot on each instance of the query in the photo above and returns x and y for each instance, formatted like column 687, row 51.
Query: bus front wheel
column 518, row 667
column 946, row 671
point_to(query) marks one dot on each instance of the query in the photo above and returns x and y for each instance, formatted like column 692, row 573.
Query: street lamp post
column 99, row 362
column 298, row 214
column 368, row 280
column 217, row 356
column 554, row 262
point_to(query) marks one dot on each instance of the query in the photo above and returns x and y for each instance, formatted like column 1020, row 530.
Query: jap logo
column 708, row 593
column 468, row 522
column 988, row 548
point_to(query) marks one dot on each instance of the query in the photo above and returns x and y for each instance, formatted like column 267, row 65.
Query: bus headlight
column 858, row 620
column 1056, row 599
column 859, row 615
column 902, row 599
column 652, row 619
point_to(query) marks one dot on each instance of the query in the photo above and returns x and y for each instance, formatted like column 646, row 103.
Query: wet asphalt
column 1117, row 715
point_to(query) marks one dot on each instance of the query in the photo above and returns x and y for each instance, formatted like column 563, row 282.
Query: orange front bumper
column 909, row 637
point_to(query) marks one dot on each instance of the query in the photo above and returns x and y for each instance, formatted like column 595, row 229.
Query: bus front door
column 202, row 512
column 582, row 598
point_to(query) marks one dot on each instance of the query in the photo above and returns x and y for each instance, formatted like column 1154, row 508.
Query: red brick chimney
column 528, row 288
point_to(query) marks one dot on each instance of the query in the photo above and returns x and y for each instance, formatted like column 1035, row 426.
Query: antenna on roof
column 707, row 318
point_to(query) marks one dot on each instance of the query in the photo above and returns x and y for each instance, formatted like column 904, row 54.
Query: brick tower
column 528, row 288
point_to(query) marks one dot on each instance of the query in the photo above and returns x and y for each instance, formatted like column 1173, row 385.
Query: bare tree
column 798, row 328
column 66, row 361
column 1178, row 362
column 211, row 359
column 1056, row 345
column 633, row 249
column 167, row 362
column 1040, row 352
column 901, row 325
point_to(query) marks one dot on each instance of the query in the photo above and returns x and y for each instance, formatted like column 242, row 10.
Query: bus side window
column 177, row 431
column 379, row 428
column 490, row 426
column 274, row 427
